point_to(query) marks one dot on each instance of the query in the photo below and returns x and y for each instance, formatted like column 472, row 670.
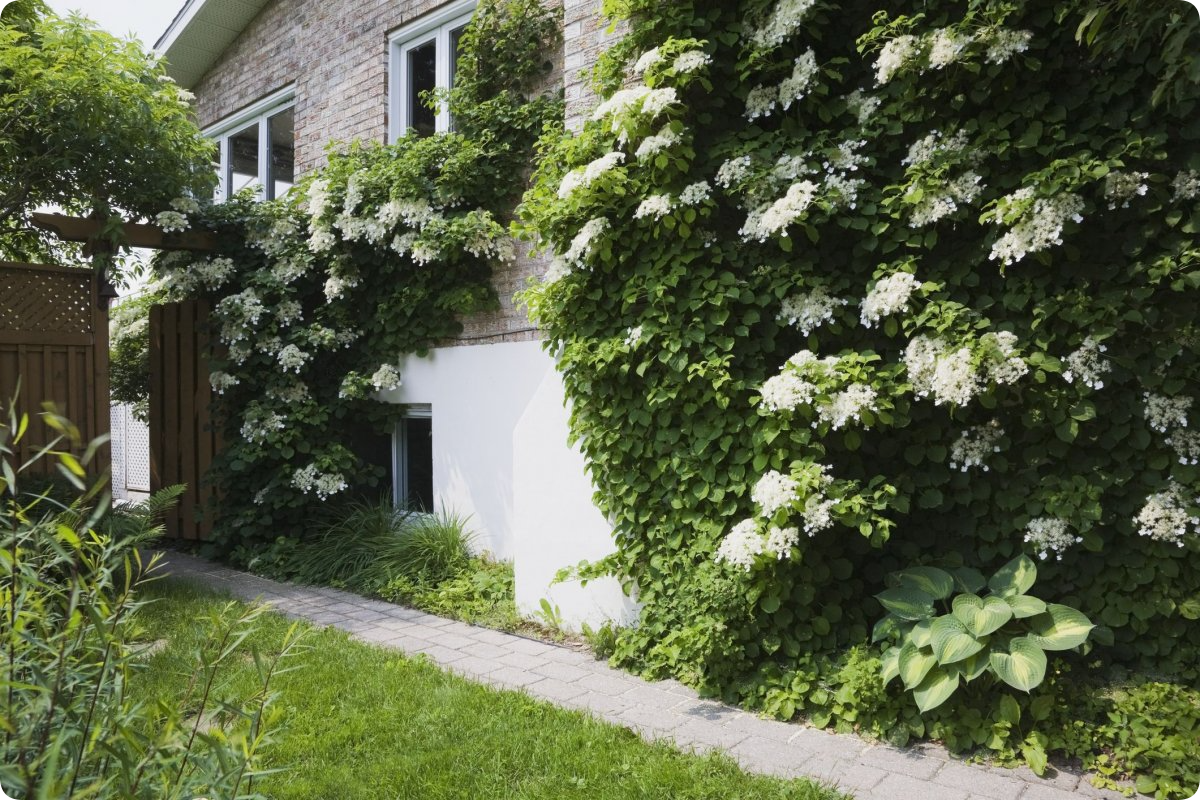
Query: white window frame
column 400, row 452
column 261, row 112
column 434, row 27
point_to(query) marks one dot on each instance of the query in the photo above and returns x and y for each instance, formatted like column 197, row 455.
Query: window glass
column 243, row 159
column 283, row 152
column 414, row 485
column 422, row 77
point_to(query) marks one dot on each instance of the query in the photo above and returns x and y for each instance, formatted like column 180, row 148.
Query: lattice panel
column 44, row 301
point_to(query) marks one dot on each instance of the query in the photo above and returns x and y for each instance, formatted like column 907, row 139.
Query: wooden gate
column 54, row 343
column 182, row 436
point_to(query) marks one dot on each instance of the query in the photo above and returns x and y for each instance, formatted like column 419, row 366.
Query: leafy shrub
column 70, row 610
column 481, row 593
column 1004, row 634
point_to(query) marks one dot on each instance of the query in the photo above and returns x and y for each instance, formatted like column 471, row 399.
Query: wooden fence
column 182, row 436
column 54, row 344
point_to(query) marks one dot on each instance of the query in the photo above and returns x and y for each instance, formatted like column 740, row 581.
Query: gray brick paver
column 663, row 709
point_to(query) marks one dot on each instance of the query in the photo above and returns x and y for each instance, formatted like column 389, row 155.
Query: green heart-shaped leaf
column 952, row 641
column 1023, row 666
column 1024, row 606
column 969, row 579
column 920, row 633
column 1015, row 577
column 1060, row 628
column 936, row 689
column 891, row 664
column 906, row 602
column 981, row 616
column 914, row 665
column 934, row 582
column 885, row 628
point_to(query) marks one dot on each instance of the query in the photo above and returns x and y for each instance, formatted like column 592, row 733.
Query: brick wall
column 335, row 52
column 585, row 37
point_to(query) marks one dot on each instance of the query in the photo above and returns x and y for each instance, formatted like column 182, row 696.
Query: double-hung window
column 422, row 58
column 256, row 148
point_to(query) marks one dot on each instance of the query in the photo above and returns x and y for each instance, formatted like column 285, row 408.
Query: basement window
column 256, row 149
column 422, row 58
column 412, row 470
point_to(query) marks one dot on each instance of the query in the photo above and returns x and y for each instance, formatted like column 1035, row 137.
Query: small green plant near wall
column 1003, row 634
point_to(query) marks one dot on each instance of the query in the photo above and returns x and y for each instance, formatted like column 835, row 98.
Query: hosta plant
column 953, row 627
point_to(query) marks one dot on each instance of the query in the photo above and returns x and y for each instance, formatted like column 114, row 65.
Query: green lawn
column 365, row 722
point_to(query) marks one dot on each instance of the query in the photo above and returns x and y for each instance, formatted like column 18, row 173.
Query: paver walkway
column 666, row 709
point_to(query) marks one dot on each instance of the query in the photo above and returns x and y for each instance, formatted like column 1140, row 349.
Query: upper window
column 256, row 148
column 423, row 57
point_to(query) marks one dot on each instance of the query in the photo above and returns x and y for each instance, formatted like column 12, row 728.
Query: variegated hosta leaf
column 952, row 641
column 936, row 583
column 914, row 664
column 1023, row 666
column 1014, row 578
column 920, row 633
column 936, row 689
column 981, row 616
column 891, row 664
column 906, row 602
column 1060, row 628
column 1024, row 606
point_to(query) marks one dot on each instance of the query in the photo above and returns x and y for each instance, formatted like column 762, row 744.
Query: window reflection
column 243, row 159
column 422, row 77
column 283, row 152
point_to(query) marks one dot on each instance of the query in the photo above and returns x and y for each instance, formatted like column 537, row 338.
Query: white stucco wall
column 501, row 458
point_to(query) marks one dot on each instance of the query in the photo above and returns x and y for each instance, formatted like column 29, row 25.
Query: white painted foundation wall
column 500, row 457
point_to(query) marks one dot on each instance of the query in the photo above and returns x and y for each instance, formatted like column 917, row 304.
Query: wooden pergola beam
column 78, row 229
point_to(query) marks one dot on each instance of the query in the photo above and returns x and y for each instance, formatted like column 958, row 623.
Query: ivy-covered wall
column 847, row 288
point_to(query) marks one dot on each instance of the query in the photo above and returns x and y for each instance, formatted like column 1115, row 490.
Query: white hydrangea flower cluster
column 171, row 221
column 639, row 100
column 386, row 378
column 1122, row 187
column 780, row 541
column 239, row 313
column 581, row 245
column 1050, row 535
column 934, row 369
column 741, row 546
column 1164, row 413
column 286, row 270
column 695, row 193
column 292, row 358
column 818, row 514
column 774, row 491
column 945, row 47
column 1186, row 185
column 271, row 345
column 733, row 172
column 894, row 56
column 186, row 205
column 213, row 272
column 691, row 61
column 311, row 480
column 1087, row 364
column 809, row 310
column 774, row 219
column 583, row 177
column 935, row 206
column 975, row 445
column 1165, row 516
column 633, row 336
column 890, row 295
column 258, row 425
column 862, row 105
column 1004, row 43
column 647, row 60
column 1037, row 228
column 847, row 406
column 321, row 239
column 790, row 388
column 317, row 200
column 1186, row 444
column 336, row 286
column 761, row 100
column 785, row 19
column 289, row 311
column 220, row 381
column 656, row 206
column 933, row 145
column 655, row 144
column 276, row 238
column 1009, row 367
column 293, row 394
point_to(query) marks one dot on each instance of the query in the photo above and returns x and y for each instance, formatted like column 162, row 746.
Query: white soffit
column 200, row 33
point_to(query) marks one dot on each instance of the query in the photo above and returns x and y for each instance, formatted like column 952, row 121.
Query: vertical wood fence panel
column 182, row 438
column 54, row 345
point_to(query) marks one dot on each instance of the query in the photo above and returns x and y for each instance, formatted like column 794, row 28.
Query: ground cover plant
column 366, row 722
column 845, row 292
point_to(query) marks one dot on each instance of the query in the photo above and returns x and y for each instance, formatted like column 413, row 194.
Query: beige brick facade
column 335, row 54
